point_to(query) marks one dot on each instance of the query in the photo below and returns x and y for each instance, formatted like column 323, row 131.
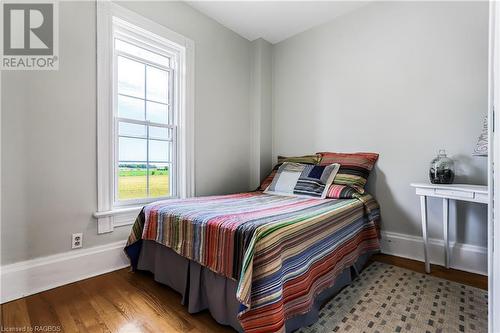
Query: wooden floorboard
column 123, row 301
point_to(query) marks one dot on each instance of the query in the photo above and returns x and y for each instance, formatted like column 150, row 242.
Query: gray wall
column 400, row 78
column 49, row 129
column 261, row 110
column 266, row 121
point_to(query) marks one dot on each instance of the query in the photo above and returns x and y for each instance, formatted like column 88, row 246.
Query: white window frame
column 113, row 19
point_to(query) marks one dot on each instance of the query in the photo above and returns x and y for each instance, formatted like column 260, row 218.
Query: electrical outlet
column 76, row 240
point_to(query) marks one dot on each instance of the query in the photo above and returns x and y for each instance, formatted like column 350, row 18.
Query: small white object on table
column 462, row 192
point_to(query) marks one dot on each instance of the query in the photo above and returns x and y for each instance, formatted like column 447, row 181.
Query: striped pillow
column 341, row 192
column 354, row 171
column 304, row 180
column 306, row 159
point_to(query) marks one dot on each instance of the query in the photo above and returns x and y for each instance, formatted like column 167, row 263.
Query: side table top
column 456, row 187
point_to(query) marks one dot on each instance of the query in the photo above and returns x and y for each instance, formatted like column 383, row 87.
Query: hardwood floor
column 122, row 301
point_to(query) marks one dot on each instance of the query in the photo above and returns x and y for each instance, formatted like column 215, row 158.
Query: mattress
column 281, row 251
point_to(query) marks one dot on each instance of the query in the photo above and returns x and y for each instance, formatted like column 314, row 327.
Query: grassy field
column 132, row 183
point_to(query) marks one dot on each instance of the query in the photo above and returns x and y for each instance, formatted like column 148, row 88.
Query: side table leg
column 446, row 232
column 423, row 212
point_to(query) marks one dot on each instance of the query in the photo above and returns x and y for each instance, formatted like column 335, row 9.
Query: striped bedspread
column 283, row 251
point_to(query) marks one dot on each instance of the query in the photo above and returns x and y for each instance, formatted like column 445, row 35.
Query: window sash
column 171, row 84
column 173, row 174
column 172, row 162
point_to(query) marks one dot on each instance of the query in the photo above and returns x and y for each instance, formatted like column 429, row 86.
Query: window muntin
column 144, row 122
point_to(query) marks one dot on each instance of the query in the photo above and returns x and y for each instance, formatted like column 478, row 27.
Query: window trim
column 109, row 213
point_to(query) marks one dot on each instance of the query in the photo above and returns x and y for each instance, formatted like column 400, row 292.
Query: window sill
column 118, row 211
column 118, row 217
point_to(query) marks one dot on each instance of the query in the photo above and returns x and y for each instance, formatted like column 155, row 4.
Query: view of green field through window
column 132, row 181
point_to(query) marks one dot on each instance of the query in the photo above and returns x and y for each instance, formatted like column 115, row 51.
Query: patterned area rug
column 386, row 298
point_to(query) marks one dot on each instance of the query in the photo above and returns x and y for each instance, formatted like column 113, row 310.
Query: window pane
column 159, row 151
column 130, row 77
column 131, row 108
column 129, row 129
column 141, row 53
column 132, row 181
column 132, row 149
column 157, row 85
column 160, row 133
column 157, row 113
column 159, row 180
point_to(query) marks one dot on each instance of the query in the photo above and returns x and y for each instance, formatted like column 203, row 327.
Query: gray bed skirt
column 202, row 289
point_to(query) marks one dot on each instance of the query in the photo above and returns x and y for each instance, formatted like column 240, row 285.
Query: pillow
column 306, row 159
column 341, row 192
column 298, row 179
column 354, row 168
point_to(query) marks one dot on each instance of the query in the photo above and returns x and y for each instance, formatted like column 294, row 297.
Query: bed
column 257, row 262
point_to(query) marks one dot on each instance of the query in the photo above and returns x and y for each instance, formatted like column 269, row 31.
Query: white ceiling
column 273, row 20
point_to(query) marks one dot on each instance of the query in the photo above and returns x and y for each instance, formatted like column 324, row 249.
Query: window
column 145, row 127
column 144, row 115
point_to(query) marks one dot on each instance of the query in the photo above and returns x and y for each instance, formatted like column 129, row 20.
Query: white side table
column 473, row 193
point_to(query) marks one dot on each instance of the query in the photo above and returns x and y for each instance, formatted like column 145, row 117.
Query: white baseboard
column 465, row 257
column 33, row 276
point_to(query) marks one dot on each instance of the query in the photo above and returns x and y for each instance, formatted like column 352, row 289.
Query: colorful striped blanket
column 283, row 251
